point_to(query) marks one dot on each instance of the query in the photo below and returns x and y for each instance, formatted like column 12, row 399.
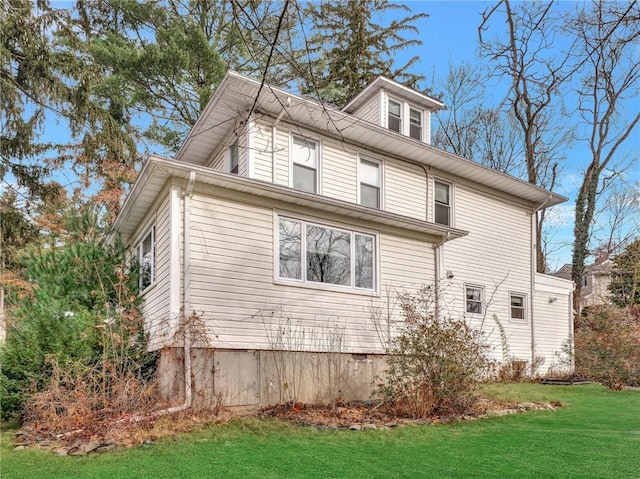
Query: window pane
column 415, row 132
column 415, row 117
column 370, row 172
column 233, row 158
column 364, row 262
column 304, row 152
column 290, row 249
column 304, row 178
column 146, row 261
column 394, row 116
column 442, row 193
column 369, row 196
column 328, row 255
column 517, row 301
column 442, row 214
column 517, row 313
column 473, row 300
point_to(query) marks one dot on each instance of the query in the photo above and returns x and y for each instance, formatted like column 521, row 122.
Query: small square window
column 474, row 299
column 518, row 307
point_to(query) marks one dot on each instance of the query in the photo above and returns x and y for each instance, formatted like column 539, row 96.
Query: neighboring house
column 288, row 225
column 595, row 282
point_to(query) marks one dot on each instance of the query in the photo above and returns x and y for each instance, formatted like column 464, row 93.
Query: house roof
column 157, row 172
column 396, row 89
column 239, row 96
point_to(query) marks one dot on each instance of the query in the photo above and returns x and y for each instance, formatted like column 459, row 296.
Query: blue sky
column 450, row 36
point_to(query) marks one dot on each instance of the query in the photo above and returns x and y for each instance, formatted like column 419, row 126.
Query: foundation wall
column 257, row 378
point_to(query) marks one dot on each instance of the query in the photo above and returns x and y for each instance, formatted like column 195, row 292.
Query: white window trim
column 318, row 143
column 227, row 157
column 482, row 300
column 524, row 305
column 452, row 195
column 405, row 117
column 372, row 159
column 151, row 229
column 304, row 221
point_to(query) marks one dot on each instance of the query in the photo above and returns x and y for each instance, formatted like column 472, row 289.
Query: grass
column 596, row 436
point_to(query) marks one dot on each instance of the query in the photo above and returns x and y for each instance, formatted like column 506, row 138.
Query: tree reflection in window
column 290, row 249
column 364, row 261
column 328, row 255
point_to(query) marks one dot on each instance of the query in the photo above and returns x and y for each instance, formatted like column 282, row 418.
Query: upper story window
column 146, row 251
column 398, row 112
column 518, row 307
column 234, row 158
column 304, row 157
column 415, row 123
column 474, row 299
column 442, row 203
column 320, row 254
column 394, row 117
column 370, row 183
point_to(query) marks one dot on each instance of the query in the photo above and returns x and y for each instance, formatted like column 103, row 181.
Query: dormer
column 396, row 107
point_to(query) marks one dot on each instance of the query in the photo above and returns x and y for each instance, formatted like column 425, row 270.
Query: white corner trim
column 175, row 249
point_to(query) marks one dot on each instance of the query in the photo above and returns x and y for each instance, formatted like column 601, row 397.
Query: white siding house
column 291, row 227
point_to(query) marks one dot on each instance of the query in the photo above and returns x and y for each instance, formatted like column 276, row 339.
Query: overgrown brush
column 435, row 364
column 607, row 346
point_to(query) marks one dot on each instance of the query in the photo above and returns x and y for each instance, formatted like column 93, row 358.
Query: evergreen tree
column 349, row 49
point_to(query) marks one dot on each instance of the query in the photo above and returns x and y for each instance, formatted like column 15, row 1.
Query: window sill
column 146, row 290
column 327, row 287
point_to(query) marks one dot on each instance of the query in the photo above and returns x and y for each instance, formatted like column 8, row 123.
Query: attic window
column 233, row 158
column 415, row 123
column 304, row 156
column 394, row 118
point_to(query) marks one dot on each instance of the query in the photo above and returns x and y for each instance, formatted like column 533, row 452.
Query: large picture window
column 313, row 253
column 146, row 251
column 304, row 156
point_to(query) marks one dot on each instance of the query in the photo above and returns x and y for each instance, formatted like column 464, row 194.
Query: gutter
column 533, row 275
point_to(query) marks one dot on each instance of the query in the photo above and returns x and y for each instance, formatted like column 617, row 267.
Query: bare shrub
column 607, row 346
column 435, row 364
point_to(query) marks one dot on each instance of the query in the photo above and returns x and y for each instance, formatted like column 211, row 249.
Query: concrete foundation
column 257, row 378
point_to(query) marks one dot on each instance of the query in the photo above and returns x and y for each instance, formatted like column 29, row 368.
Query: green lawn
column 596, row 436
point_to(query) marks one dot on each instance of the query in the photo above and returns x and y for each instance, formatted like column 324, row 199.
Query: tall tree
column 607, row 54
column 469, row 128
column 536, row 72
column 625, row 280
column 348, row 48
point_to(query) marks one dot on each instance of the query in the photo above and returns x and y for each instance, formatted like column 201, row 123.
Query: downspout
column 274, row 130
column 439, row 260
column 186, row 218
column 533, row 275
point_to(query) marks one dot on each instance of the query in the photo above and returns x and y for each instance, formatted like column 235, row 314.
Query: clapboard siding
column 496, row 255
column 156, row 300
column 261, row 151
column 339, row 171
column 369, row 110
column 405, row 189
column 233, row 287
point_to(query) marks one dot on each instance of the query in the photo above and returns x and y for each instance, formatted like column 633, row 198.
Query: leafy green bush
column 435, row 364
column 80, row 309
column 607, row 346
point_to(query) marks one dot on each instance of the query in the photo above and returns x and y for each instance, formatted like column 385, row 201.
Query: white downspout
column 439, row 267
column 534, row 225
column 186, row 217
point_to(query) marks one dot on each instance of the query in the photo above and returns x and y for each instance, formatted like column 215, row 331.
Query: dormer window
column 394, row 121
column 398, row 111
column 415, row 123
column 234, row 158
column 304, row 157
